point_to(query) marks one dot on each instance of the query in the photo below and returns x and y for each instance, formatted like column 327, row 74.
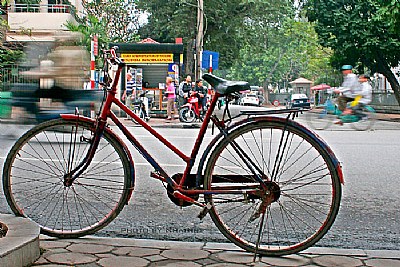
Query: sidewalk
column 21, row 245
column 121, row 252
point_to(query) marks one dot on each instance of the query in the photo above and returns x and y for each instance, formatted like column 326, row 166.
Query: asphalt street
column 368, row 218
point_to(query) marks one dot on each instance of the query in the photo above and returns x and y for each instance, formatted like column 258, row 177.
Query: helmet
column 347, row 67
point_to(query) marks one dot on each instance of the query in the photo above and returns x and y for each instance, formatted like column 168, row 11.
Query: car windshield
column 299, row 96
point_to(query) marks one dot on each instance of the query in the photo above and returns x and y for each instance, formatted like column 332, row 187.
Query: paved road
column 368, row 217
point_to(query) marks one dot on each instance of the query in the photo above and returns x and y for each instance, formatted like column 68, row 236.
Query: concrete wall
column 38, row 21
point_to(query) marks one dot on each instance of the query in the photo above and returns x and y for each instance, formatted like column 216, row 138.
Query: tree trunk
column 189, row 63
column 387, row 72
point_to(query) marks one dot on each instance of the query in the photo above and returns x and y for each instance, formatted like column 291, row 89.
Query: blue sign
column 205, row 64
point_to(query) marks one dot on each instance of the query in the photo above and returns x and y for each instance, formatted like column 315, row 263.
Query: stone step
column 20, row 247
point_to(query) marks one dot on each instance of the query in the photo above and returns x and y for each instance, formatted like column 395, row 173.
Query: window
column 58, row 6
column 22, row 6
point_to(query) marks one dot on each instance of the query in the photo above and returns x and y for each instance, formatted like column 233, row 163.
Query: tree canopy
column 362, row 33
column 229, row 25
column 110, row 20
column 278, row 64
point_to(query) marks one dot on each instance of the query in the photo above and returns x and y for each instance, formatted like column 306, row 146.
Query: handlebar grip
column 120, row 62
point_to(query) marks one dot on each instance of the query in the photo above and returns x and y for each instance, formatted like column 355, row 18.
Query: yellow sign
column 148, row 58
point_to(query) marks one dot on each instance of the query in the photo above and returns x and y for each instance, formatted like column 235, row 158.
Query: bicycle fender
column 73, row 117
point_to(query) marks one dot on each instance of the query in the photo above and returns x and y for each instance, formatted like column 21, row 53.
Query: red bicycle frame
column 101, row 123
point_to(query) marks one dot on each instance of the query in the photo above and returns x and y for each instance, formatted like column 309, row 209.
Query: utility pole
column 199, row 38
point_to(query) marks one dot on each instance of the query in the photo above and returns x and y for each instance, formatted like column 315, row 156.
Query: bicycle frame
column 101, row 123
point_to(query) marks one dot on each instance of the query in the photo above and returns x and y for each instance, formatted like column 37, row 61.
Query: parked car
column 298, row 101
column 249, row 100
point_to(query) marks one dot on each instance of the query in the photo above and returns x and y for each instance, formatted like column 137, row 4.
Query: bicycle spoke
column 288, row 213
column 35, row 186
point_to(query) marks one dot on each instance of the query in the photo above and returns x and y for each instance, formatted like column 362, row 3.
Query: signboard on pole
column 206, row 60
column 95, row 45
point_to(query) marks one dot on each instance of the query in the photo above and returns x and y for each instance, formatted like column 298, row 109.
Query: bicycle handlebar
column 114, row 59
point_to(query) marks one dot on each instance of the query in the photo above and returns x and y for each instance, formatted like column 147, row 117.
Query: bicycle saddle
column 225, row 87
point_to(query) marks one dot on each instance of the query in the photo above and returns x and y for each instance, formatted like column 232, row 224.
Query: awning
column 322, row 86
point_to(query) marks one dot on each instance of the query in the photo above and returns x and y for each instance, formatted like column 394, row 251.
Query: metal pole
column 92, row 64
column 199, row 37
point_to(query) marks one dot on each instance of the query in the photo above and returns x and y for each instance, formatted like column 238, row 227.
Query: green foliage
column 257, row 40
column 362, row 33
column 292, row 52
column 110, row 20
column 9, row 57
column 355, row 31
column 390, row 11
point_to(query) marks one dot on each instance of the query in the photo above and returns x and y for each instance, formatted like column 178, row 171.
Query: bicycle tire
column 304, row 175
column 34, row 186
column 320, row 120
column 187, row 115
column 367, row 121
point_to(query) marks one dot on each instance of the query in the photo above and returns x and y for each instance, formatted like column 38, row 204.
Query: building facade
column 39, row 22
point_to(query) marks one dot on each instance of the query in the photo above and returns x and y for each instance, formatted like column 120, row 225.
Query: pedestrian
column 170, row 95
column 184, row 90
column 128, row 92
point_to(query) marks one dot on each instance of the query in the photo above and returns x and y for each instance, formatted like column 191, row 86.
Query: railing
column 10, row 74
column 36, row 8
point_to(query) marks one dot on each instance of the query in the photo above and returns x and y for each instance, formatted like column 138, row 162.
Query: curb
column 20, row 247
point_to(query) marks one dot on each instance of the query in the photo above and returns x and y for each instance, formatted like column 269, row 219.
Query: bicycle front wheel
column 319, row 119
column 34, row 186
column 299, row 201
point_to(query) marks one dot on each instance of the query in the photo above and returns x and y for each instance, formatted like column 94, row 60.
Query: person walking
column 128, row 92
column 170, row 95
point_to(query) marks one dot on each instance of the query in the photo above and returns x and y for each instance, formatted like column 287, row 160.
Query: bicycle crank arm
column 179, row 195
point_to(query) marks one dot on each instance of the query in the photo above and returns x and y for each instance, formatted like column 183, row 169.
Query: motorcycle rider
column 184, row 90
column 201, row 93
column 349, row 86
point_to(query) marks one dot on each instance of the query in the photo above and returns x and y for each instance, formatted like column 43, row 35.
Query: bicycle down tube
column 189, row 160
column 106, row 113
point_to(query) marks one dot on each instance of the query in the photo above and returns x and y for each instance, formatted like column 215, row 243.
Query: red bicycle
column 270, row 185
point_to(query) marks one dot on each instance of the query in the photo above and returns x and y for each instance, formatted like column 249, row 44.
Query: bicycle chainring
column 189, row 183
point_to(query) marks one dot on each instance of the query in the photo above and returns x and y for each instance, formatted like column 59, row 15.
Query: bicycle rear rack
column 271, row 112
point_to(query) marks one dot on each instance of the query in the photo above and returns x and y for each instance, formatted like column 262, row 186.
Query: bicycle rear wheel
column 367, row 120
column 319, row 119
column 302, row 194
column 33, row 179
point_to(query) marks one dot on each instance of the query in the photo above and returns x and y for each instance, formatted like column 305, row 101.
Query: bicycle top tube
column 221, row 86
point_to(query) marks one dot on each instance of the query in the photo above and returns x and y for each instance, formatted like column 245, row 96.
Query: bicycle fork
column 71, row 175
